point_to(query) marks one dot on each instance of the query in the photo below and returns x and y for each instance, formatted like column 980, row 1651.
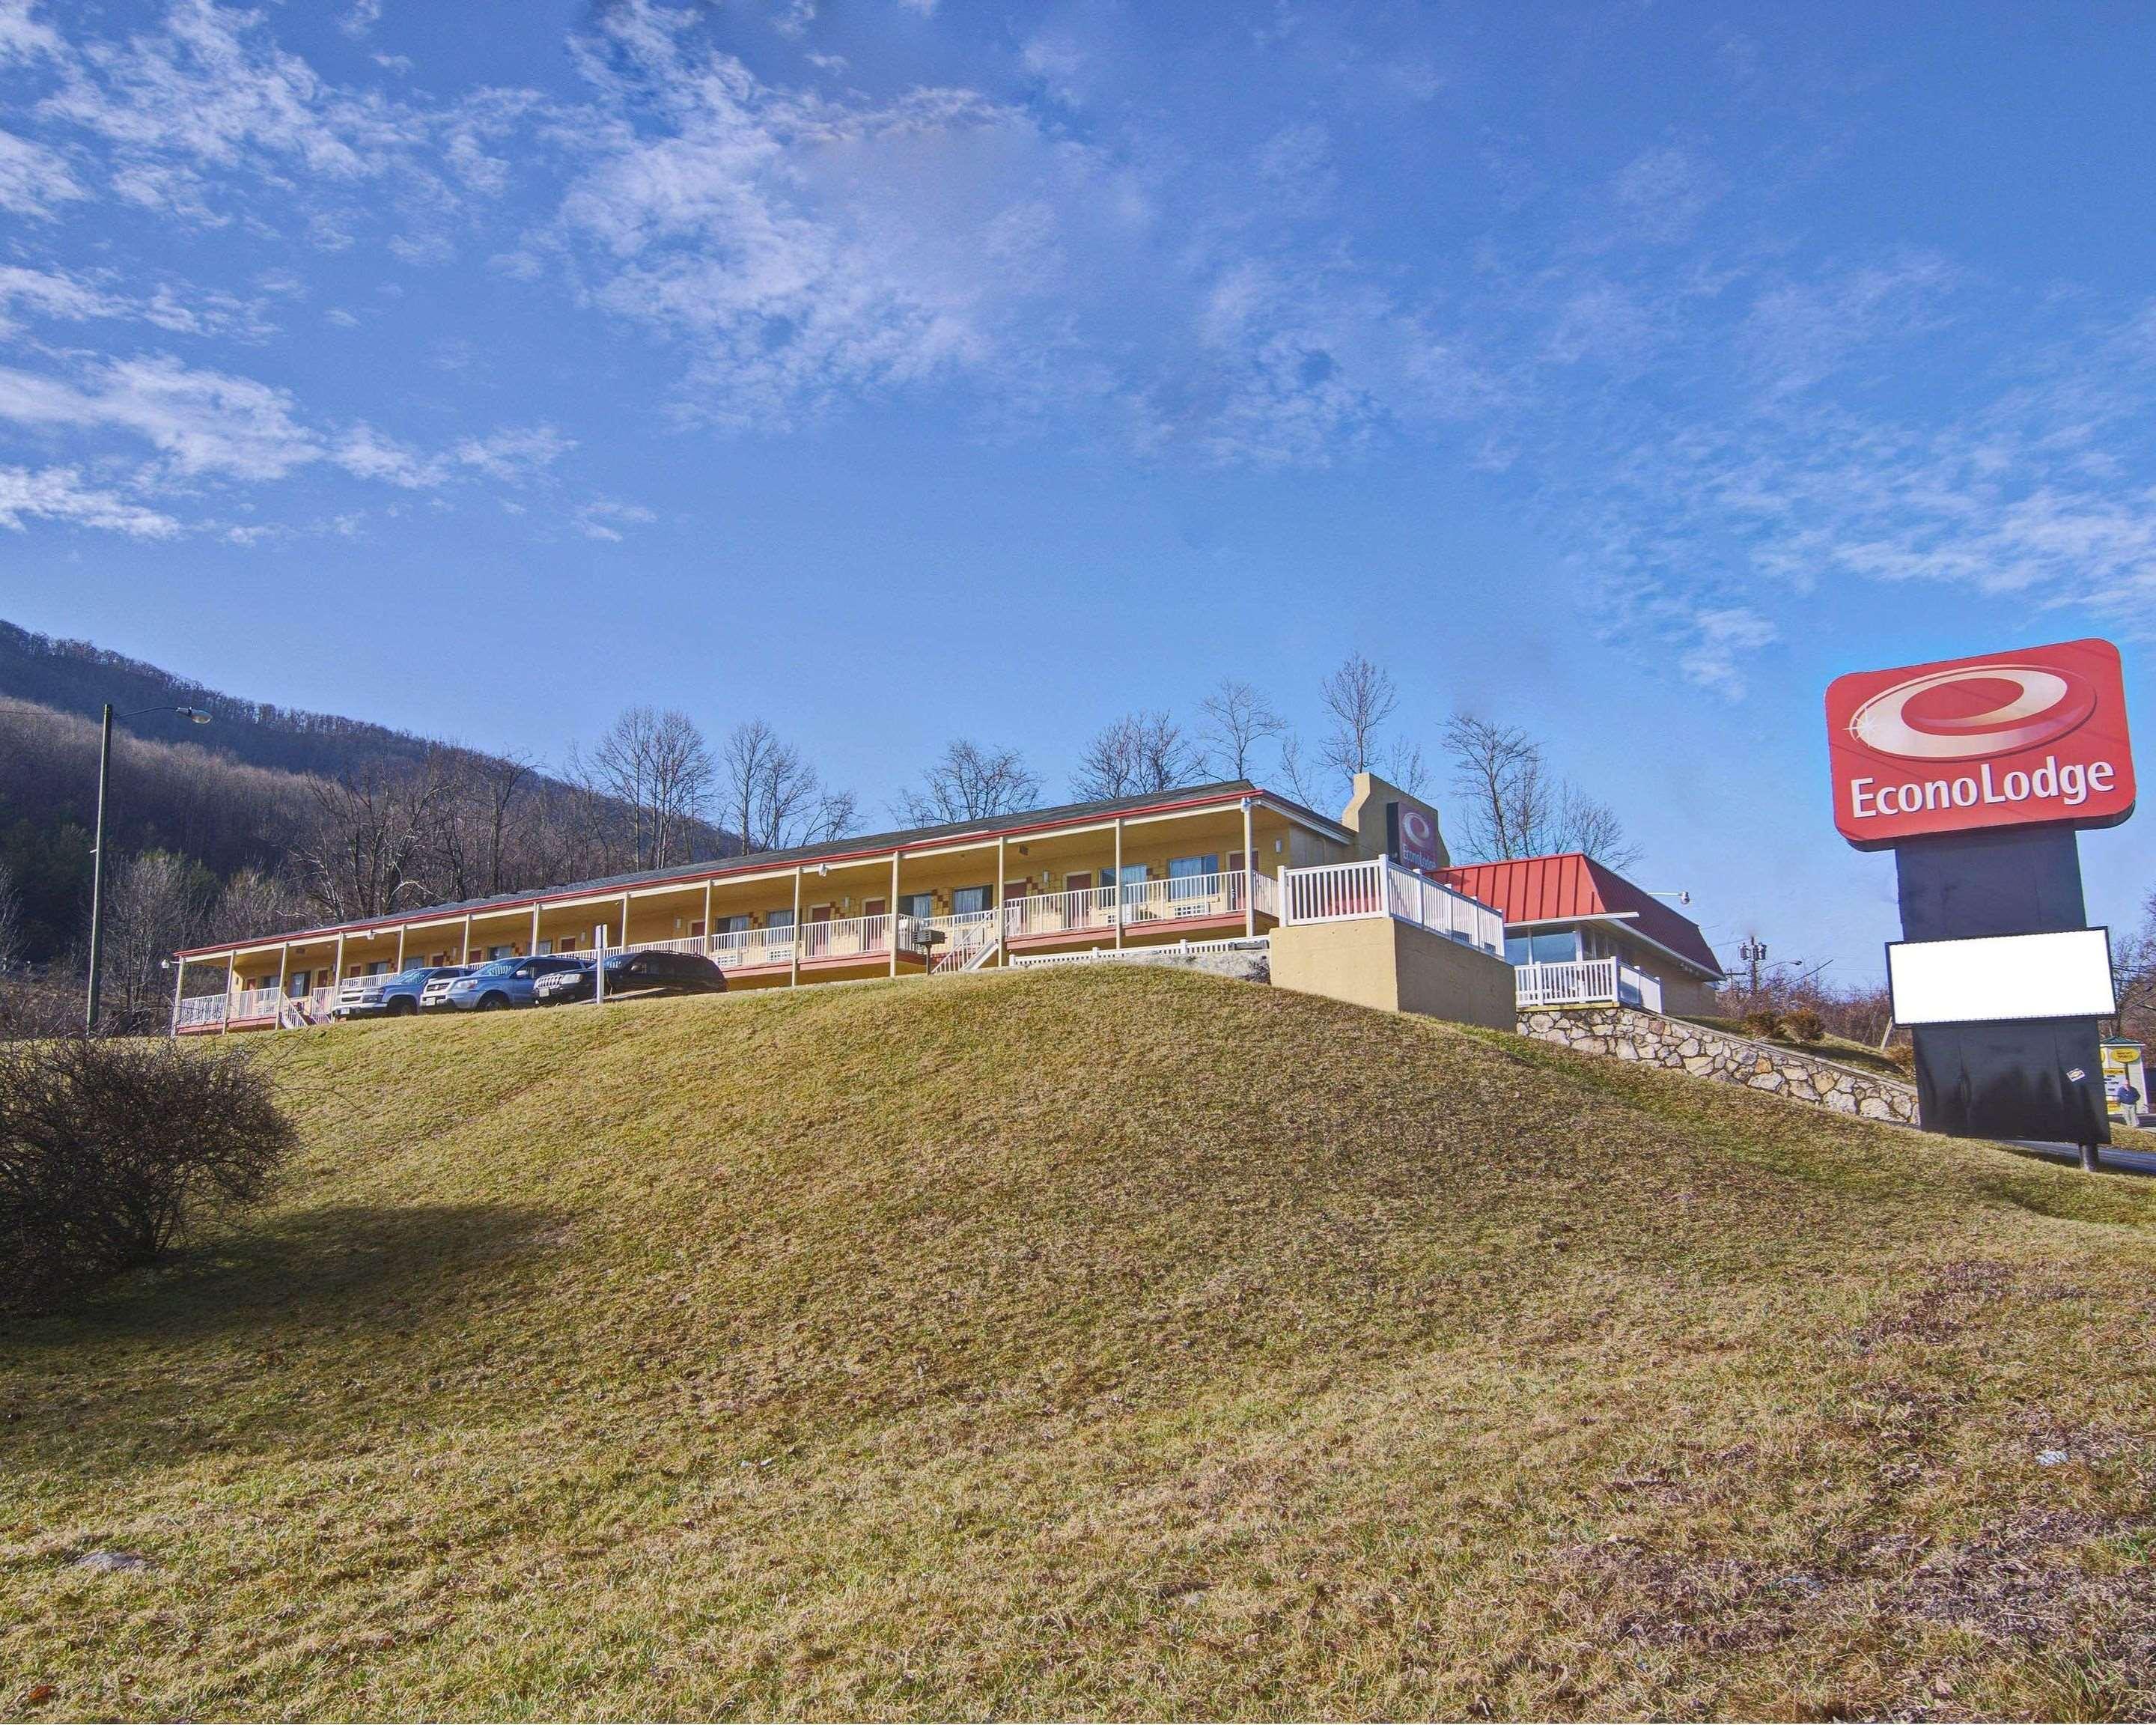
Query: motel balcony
column 1587, row 982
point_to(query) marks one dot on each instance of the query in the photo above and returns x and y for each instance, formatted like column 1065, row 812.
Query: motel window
column 779, row 919
column 543, row 948
column 732, row 925
column 295, row 984
column 920, row 905
column 1184, row 873
column 493, row 952
column 970, row 901
column 1556, row 946
column 1515, row 949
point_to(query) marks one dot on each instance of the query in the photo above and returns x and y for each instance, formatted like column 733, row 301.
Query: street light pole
column 195, row 715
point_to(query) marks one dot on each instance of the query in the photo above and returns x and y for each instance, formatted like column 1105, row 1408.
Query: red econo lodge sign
column 2035, row 738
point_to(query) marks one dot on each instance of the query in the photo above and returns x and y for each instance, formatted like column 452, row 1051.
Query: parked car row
column 545, row 980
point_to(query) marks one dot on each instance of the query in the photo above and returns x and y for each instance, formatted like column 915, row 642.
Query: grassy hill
column 1111, row 1343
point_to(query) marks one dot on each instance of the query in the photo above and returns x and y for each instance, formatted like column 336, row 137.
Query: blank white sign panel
column 2008, row 976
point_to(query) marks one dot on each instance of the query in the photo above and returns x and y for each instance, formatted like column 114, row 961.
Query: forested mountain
column 77, row 677
column 271, row 817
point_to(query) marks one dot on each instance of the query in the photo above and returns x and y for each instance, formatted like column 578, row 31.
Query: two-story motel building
column 1213, row 862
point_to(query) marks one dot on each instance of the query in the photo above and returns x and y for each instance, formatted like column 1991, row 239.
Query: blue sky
column 904, row 369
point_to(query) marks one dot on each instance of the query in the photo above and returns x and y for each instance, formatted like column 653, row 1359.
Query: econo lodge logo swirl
column 1969, row 714
column 2033, row 737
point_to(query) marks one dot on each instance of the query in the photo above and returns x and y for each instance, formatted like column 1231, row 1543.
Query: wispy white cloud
column 56, row 494
column 203, row 422
column 603, row 518
column 34, row 181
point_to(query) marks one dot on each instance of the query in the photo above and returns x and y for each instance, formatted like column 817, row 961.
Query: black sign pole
column 2020, row 1078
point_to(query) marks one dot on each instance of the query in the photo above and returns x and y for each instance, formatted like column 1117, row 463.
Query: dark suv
column 634, row 976
column 506, row 981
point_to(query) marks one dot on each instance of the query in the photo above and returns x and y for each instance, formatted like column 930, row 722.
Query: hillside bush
column 112, row 1150
column 1761, row 1024
column 1803, row 1025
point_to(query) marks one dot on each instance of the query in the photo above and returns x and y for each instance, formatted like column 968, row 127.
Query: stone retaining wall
column 1626, row 1033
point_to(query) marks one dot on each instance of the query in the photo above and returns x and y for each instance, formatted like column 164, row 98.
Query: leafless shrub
column 111, row 1150
column 1512, row 804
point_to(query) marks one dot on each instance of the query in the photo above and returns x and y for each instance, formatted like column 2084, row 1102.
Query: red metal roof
column 1572, row 886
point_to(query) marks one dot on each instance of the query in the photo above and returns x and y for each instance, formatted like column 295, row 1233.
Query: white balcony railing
column 847, row 937
column 1587, row 982
column 748, row 948
column 1336, row 892
column 1140, row 904
column 199, row 1011
column 1086, row 910
column 255, row 1004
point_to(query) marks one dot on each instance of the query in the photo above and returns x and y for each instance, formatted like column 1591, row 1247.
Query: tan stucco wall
column 1395, row 967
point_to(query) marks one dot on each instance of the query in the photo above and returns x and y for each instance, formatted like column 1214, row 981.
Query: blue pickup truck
column 506, row 981
column 392, row 994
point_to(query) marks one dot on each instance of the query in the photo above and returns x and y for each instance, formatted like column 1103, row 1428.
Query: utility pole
column 1753, row 953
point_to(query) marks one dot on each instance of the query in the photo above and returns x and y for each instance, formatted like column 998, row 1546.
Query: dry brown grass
column 1105, row 1343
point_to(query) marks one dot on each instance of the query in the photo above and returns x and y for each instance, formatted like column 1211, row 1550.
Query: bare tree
column 745, row 769
column 658, row 765
column 1360, row 696
column 155, row 905
column 254, row 903
column 772, row 797
column 1140, row 754
column 1239, row 721
column 1405, row 766
column 1295, row 769
column 11, row 921
column 968, row 781
column 1512, row 805
column 366, row 856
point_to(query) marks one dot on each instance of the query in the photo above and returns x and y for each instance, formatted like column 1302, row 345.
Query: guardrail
column 1339, row 893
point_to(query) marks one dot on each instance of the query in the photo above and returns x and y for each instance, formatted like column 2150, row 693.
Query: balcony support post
column 1250, row 876
column 891, row 927
column 336, row 965
column 532, row 949
column 793, row 940
column 179, row 980
column 1118, row 900
column 466, row 958
column 623, row 941
column 707, row 915
column 400, row 949
column 1002, row 906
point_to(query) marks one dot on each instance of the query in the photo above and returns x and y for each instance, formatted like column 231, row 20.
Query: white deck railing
column 1083, row 911
column 1138, row 903
column 1587, row 982
column 197, row 1011
column 747, row 948
column 1336, row 892
column 845, row 938
column 255, row 1004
